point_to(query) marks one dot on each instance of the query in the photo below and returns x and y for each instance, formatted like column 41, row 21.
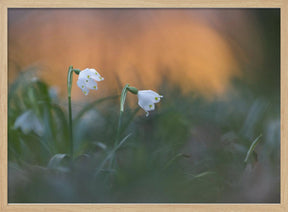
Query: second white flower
column 147, row 100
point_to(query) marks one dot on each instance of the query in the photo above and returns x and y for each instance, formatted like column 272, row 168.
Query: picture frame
column 6, row 4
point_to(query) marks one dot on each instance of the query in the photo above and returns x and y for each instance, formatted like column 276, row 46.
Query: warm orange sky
column 199, row 50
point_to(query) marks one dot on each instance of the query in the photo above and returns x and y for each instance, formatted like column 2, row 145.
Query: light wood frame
column 5, row 4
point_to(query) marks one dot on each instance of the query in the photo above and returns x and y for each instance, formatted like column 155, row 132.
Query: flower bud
column 132, row 90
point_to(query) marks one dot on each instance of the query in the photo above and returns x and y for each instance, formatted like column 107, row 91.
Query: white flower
column 147, row 99
column 87, row 80
column 28, row 122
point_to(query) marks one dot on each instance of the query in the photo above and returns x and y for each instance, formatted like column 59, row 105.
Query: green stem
column 122, row 102
column 70, row 127
column 123, row 97
column 69, row 87
column 118, row 128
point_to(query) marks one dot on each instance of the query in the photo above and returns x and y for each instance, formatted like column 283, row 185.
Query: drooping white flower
column 147, row 99
column 87, row 80
column 28, row 122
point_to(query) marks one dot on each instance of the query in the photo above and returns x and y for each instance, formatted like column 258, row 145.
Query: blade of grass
column 111, row 154
column 199, row 176
column 252, row 147
column 203, row 174
column 172, row 160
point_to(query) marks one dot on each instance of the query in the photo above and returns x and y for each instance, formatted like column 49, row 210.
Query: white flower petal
column 28, row 122
column 147, row 100
column 149, row 94
column 147, row 106
column 91, row 84
column 90, row 73
column 95, row 75
column 86, row 80
column 157, row 98
column 83, row 86
column 22, row 119
column 84, row 74
column 85, row 90
column 81, row 83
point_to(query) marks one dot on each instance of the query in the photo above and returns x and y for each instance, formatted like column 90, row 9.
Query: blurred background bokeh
column 219, row 73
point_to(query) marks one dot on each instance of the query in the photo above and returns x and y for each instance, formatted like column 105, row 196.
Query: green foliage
column 189, row 150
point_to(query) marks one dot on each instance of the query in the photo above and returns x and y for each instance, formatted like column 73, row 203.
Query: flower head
column 28, row 122
column 87, row 80
column 147, row 99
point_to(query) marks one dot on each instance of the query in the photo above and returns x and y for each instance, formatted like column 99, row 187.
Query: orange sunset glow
column 140, row 47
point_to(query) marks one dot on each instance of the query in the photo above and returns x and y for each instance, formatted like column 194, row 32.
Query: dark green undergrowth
column 189, row 150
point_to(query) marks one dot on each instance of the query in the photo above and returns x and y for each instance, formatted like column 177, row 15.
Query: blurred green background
column 219, row 73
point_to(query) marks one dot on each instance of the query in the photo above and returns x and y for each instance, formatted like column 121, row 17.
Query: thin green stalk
column 122, row 102
column 69, row 87
column 126, row 124
column 70, row 127
column 118, row 128
column 112, row 159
